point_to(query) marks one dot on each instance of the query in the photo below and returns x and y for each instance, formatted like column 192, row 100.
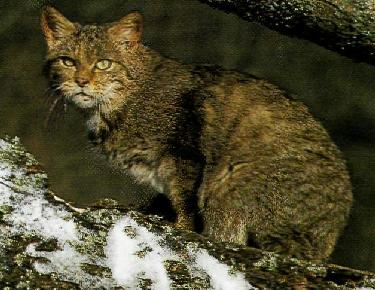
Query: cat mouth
column 83, row 97
column 83, row 100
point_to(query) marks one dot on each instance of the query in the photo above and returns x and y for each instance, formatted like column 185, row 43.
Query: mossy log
column 45, row 243
column 344, row 26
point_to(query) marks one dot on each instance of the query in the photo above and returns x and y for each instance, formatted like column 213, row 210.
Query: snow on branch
column 47, row 243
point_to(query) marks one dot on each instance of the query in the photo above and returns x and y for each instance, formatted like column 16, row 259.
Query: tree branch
column 47, row 243
column 344, row 26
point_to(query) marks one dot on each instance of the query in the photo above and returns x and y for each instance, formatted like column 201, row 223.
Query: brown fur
column 222, row 145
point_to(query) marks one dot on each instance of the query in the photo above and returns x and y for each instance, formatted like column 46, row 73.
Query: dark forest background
column 338, row 92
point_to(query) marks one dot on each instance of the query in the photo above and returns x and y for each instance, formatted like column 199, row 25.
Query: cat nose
column 81, row 81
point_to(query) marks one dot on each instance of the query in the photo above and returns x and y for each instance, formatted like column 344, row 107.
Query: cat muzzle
column 83, row 100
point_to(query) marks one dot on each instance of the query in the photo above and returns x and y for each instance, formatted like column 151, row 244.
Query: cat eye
column 68, row 62
column 104, row 64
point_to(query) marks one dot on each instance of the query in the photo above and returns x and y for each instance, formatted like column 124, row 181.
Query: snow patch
column 220, row 274
column 67, row 264
column 31, row 213
column 136, row 255
column 36, row 215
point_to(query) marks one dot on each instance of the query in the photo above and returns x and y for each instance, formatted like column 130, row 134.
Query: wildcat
column 227, row 147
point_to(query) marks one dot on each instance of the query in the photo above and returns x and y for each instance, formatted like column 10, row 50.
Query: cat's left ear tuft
column 55, row 26
column 128, row 30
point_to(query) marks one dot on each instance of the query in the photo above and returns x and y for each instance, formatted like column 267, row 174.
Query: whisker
column 51, row 92
column 51, row 111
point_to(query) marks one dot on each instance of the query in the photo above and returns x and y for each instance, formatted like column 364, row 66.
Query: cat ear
column 55, row 26
column 127, row 30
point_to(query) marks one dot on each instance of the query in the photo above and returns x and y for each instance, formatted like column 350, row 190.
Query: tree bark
column 344, row 26
column 46, row 243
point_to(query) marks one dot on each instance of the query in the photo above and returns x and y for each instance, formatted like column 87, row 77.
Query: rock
column 46, row 243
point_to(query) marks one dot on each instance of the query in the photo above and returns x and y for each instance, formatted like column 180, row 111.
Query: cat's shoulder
column 214, row 78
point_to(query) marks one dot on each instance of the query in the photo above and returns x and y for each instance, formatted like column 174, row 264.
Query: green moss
column 48, row 245
column 99, row 216
column 368, row 283
column 130, row 232
column 96, row 270
column 4, row 210
column 16, row 267
column 144, row 284
column 106, row 203
column 21, row 259
column 317, row 270
column 91, row 244
column 93, row 227
column 143, row 253
column 268, row 262
column 179, row 274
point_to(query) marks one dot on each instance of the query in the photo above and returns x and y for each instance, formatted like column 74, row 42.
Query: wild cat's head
column 94, row 67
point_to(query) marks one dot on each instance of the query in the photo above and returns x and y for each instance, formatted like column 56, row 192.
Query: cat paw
column 185, row 223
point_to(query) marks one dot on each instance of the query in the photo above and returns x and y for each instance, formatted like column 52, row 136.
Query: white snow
column 36, row 215
column 66, row 263
column 132, row 251
column 31, row 211
column 126, row 265
column 219, row 273
column 33, row 214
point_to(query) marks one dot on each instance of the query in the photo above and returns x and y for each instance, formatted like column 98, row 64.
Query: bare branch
column 344, row 26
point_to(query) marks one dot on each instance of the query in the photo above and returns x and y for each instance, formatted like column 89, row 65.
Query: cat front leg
column 184, row 203
column 183, row 184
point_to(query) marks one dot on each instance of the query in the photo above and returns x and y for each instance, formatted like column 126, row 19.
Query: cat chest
column 140, row 165
column 147, row 175
column 140, row 160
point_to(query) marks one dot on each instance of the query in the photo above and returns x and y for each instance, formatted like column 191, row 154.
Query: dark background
column 338, row 92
